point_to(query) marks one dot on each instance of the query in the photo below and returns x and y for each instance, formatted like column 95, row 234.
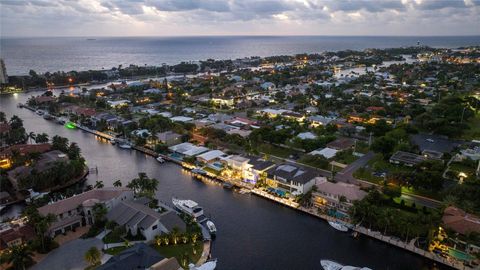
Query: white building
column 188, row 149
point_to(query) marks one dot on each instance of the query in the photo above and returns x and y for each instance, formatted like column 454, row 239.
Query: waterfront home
column 291, row 178
column 460, row 221
column 45, row 162
column 14, row 235
column 211, row 156
column 169, row 138
column 249, row 169
column 77, row 211
column 139, row 256
column 338, row 196
column 187, row 149
column 138, row 218
column 111, row 120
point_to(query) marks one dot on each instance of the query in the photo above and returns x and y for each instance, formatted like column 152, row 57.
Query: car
column 430, row 140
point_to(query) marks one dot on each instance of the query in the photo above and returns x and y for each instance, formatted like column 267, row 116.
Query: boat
column 35, row 195
column 160, row 159
column 60, row 121
column 40, row 112
column 125, row 146
column 113, row 142
column 48, row 116
column 227, row 185
column 208, row 265
column 338, row 226
column 190, row 208
column 211, row 227
column 245, row 191
column 331, row 265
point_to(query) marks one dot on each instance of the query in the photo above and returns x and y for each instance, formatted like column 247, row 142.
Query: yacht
column 338, row 226
column 211, row 227
column 331, row 265
column 190, row 208
column 160, row 159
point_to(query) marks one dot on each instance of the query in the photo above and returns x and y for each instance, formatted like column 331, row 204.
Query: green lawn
column 184, row 253
column 114, row 236
column 345, row 157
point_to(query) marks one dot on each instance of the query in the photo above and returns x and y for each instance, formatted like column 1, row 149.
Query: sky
column 238, row 17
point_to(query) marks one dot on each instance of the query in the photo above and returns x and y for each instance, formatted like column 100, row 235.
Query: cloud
column 177, row 17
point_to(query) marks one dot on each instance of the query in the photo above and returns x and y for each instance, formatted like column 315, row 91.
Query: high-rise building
column 3, row 72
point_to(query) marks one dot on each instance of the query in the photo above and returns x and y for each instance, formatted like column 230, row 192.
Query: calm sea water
column 81, row 53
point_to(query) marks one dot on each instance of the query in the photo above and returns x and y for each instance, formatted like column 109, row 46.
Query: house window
column 154, row 227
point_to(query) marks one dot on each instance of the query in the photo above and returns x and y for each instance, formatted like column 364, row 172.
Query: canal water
column 253, row 233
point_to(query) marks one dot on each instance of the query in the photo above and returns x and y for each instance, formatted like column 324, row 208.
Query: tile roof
column 460, row 221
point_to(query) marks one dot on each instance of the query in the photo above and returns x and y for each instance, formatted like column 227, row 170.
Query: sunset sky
column 238, row 17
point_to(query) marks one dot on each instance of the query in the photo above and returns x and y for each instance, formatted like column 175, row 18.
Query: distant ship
column 331, row 265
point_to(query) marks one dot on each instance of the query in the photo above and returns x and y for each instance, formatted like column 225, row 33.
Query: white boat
column 209, row 265
column 211, row 227
column 244, row 191
column 199, row 171
column 338, row 226
column 160, row 159
column 190, row 208
column 125, row 146
column 113, row 142
column 35, row 195
column 40, row 112
column 331, row 265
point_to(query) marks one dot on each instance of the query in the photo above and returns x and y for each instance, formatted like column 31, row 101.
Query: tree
column 41, row 138
column 40, row 223
column 117, row 183
column 3, row 117
column 31, row 136
column 19, row 256
column 93, row 256
column 73, row 151
column 99, row 212
column 99, row 184
column 60, row 143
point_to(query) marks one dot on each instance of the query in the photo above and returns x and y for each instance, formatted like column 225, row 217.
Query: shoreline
column 375, row 235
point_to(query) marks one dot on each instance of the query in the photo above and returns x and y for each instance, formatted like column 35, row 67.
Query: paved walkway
column 69, row 256
column 205, row 253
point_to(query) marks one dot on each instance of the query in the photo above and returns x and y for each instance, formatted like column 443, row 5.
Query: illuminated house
column 291, row 178
column 338, row 196
column 250, row 169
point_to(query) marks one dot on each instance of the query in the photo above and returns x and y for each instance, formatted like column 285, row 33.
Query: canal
column 253, row 233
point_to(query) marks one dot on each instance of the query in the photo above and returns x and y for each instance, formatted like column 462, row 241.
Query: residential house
column 318, row 120
column 291, row 178
column 341, row 144
column 339, row 196
column 182, row 119
column 77, row 211
column 460, row 221
column 139, row 256
column 139, row 218
column 211, row 156
column 169, row 138
column 307, row 136
column 406, row 158
column 11, row 236
column 187, row 149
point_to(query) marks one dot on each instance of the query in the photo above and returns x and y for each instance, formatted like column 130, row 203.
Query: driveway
column 69, row 256
column 346, row 175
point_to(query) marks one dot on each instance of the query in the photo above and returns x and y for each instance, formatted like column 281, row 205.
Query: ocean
column 84, row 53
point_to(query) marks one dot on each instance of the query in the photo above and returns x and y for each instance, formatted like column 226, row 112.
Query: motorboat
column 227, row 185
column 211, row 227
column 331, row 265
column 125, row 146
column 112, row 141
column 35, row 195
column 60, row 121
column 208, row 265
column 338, row 226
column 47, row 116
column 160, row 159
column 40, row 112
column 190, row 208
column 245, row 191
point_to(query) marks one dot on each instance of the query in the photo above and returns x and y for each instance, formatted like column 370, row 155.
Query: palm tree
column 41, row 138
column 117, row 183
column 158, row 239
column 19, row 256
column 185, row 238
column 92, row 256
column 175, row 234
column 31, row 137
column 194, row 237
column 99, row 184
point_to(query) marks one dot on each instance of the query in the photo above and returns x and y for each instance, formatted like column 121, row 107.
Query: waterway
column 253, row 233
